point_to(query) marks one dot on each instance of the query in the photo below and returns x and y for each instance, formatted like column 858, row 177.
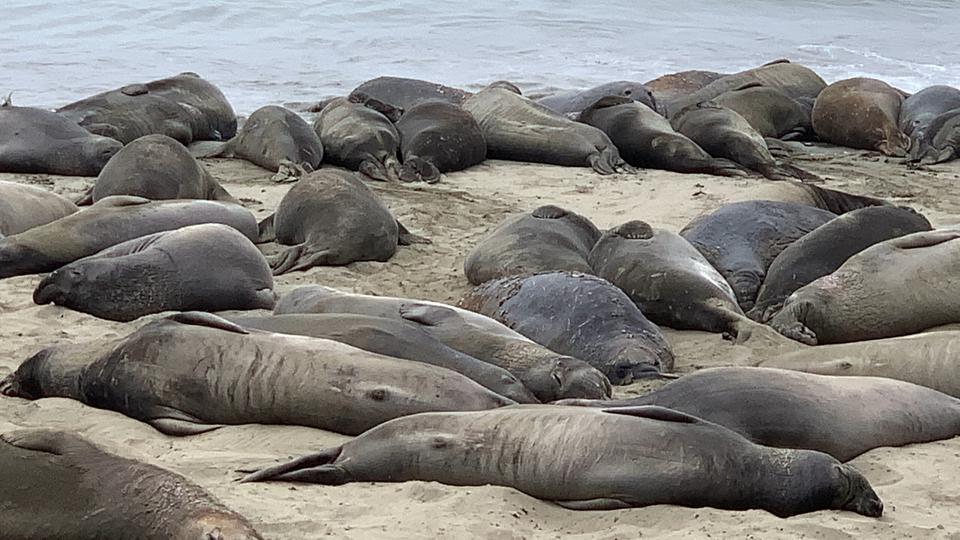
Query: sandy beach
column 919, row 484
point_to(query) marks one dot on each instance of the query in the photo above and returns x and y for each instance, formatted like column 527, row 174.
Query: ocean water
column 259, row 52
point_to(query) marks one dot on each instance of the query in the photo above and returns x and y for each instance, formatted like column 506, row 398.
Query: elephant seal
column 940, row 142
column 668, row 279
column 358, row 136
column 896, row 287
column 618, row 462
column 68, row 488
column 669, row 87
column 580, row 315
column 742, row 239
column 519, row 129
column 646, row 139
column 195, row 372
column 770, row 111
column 165, row 271
column 548, row 238
column 107, row 223
column 547, row 374
column 861, row 113
column 23, row 207
column 156, row 167
column 438, row 137
column 331, row 218
column 43, row 142
column 832, row 200
column 919, row 110
column 392, row 337
column 840, row 416
column 408, row 93
column 575, row 101
column 821, row 251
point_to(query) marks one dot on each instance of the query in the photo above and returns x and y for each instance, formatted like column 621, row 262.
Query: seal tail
column 315, row 468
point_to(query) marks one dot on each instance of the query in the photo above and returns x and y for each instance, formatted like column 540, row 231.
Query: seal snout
column 50, row 290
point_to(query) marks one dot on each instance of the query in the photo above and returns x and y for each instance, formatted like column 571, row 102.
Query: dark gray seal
column 208, row 267
column 919, row 110
column 580, row 315
column 358, row 136
column 408, row 93
column 619, row 461
column 575, row 101
column 861, row 113
column 196, row 372
column 438, row 137
column 940, row 142
column 669, row 87
column 68, row 488
column 548, row 238
column 770, row 111
column 23, row 207
column 742, row 239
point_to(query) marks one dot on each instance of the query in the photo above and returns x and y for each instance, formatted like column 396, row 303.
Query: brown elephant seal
column 742, row 239
column 548, row 238
column 893, row 288
column 619, row 461
column 108, row 223
column 668, row 279
column 821, row 251
column 840, row 416
column 579, row 315
column 861, row 113
column 408, row 93
column 331, row 218
column 44, row 142
column 68, row 488
column 669, row 87
column 547, row 374
column 646, row 139
column 195, row 372
column 770, row 111
column 156, row 167
column 575, row 101
column 518, row 129
column 940, row 142
column 357, row 135
column 392, row 337
column 438, row 137
column 23, row 207
column 165, row 271
column 919, row 110
column 832, row 200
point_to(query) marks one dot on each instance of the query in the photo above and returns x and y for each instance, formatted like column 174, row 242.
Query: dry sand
column 920, row 484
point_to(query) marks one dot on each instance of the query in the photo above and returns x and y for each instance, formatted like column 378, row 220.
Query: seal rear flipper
column 202, row 318
column 288, row 171
column 376, row 171
column 417, row 169
column 655, row 412
column 86, row 199
column 425, row 314
column 407, row 238
column 320, row 463
column 265, row 231
column 595, row 504
column 300, row 257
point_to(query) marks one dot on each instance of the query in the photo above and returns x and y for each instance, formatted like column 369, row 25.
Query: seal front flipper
column 265, row 230
column 407, row 238
column 426, row 314
column 173, row 422
column 211, row 149
column 41, row 440
column 594, row 504
column 121, row 200
column 655, row 412
column 320, row 464
column 86, row 199
column 202, row 318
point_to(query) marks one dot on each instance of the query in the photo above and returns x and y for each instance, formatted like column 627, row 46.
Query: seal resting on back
column 23, row 207
column 575, row 101
column 438, row 137
column 627, row 457
column 68, row 488
column 195, row 372
column 861, row 113
column 407, row 93
column 580, row 315
column 357, row 135
column 548, row 238
column 208, row 267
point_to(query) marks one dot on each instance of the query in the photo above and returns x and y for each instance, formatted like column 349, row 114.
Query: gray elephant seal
column 548, row 238
column 580, row 315
column 396, row 338
column 646, row 139
column 44, row 142
column 861, row 113
column 576, row 101
column 668, row 279
column 919, row 110
column 669, row 87
column 358, row 136
column 156, row 167
column 821, row 251
column 331, row 218
column 547, row 374
column 438, row 137
column 940, row 142
column 68, row 488
column 832, row 200
column 23, row 207
column 618, row 462
column 195, row 372
column 742, row 239
column 108, row 223
column 519, row 129
column 165, row 271
column 770, row 111
column 892, row 288
column 408, row 93
column 840, row 416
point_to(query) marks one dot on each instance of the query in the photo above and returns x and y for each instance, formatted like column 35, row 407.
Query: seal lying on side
column 549, row 238
column 358, row 136
column 832, row 200
column 108, row 223
column 23, row 207
column 919, row 110
column 438, row 137
column 547, row 374
column 580, row 315
column 770, row 111
column 668, row 279
column 519, row 129
column 893, row 288
column 575, row 101
column 861, row 113
column 407, row 93
column 69, row 489
column 840, row 416
column 742, row 239
column 823, row 250
column 209, row 267
column 941, row 140
column 669, row 87
column 625, row 457
column 195, row 372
